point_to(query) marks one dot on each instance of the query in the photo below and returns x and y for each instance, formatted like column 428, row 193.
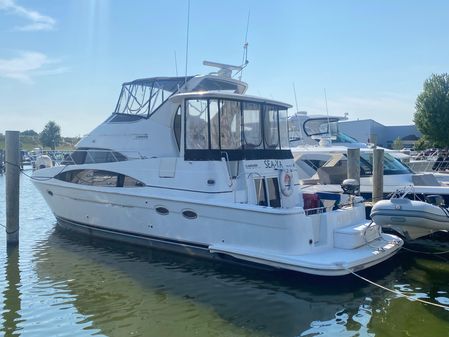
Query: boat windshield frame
column 392, row 166
column 327, row 121
column 143, row 97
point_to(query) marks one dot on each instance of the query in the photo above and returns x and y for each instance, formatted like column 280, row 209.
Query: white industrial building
column 370, row 131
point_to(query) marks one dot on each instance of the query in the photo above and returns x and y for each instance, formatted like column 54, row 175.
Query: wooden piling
column 12, row 164
column 378, row 175
column 354, row 164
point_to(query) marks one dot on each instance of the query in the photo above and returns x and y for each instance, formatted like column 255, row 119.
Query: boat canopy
column 143, row 96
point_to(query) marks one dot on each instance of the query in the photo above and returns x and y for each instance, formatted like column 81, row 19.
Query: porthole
column 162, row 210
column 189, row 214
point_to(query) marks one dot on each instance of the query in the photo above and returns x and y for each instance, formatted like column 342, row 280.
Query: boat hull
column 209, row 226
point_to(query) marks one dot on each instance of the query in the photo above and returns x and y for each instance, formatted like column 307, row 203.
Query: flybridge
column 142, row 97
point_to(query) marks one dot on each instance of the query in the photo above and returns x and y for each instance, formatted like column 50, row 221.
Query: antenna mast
column 297, row 112
column 245, row 49
column 187, row 39
column 296, row 99
column 327, row 112
column 176, row 64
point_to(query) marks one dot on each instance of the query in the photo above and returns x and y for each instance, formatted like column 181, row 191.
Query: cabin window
column 267, row 192
column 214, row 117
column 197, row 134
column 177, row 127
column 230, row 125
column 99, row 156
column 283, row 129
column 98, row 178
column 89, row 156
column 271, row 127
column 261, row 192
column 252, row 132
column 273, row 192
column 234, row 129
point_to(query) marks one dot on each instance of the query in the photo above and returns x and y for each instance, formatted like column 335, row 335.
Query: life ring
column 286, row 182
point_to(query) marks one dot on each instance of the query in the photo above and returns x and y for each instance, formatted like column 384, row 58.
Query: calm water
column 61, row 284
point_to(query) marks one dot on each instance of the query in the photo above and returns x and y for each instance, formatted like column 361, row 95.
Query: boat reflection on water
column 122, row 290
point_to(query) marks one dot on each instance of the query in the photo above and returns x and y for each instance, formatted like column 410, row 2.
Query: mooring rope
column 35, row 178
column 423, row 252
column 397, row 292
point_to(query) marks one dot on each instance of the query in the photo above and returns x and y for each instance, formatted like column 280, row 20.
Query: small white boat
column 411, row 218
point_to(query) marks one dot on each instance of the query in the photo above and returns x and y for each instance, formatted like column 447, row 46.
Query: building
column 370, row 131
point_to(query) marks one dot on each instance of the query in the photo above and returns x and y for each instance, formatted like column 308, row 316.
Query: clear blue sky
column 65, row 60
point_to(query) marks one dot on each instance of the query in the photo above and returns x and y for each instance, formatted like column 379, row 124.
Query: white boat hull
column 322, row 244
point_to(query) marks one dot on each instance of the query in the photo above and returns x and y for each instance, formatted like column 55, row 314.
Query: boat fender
column 286, row 182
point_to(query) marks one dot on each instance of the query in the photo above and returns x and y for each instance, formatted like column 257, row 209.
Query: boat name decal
column 276, row 164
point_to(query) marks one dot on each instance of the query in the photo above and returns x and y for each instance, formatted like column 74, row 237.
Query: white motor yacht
column 194, row 165
column 327, row 167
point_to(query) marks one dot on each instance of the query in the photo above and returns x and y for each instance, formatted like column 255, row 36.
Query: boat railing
column 430, row 165
column 407, row 191
column 318, row 210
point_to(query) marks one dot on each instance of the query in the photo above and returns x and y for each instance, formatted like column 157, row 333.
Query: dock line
column 34, row 178
column 423, row 252
column 397, row 292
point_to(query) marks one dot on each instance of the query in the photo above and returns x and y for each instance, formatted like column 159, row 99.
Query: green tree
column 397, row 144
column 432, row 110
column 423, row 143
column 51, row 135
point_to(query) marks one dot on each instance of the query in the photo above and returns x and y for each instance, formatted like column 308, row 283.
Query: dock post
column 378, row 175
column 354, row 164
column 12, row 164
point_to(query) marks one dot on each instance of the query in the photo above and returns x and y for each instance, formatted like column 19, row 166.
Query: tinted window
column 197, row 125
column 271, row 127
column 261, row 193
column 177, row 127
column 230, row 124
column 252, row 131
column 98, row 178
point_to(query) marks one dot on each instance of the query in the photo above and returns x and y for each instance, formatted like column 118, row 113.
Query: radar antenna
column 224, row 70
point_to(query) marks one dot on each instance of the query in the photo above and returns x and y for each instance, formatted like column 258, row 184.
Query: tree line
column 432, row 112
column 49, row 137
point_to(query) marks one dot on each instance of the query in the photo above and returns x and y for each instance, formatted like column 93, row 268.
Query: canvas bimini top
column 142, row 97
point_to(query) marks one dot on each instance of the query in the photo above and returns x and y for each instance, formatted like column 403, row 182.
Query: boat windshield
column 392, row 165
column 321, row 126
column 241, row 129
column 344, row 138
column 143, row 97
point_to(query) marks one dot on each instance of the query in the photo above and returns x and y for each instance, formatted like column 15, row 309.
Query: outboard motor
column 436, row 200
column 350, row 186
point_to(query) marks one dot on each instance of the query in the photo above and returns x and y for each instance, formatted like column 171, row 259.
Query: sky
column 65, row 60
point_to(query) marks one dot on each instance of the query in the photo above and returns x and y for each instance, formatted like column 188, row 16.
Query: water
column 61, row 284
